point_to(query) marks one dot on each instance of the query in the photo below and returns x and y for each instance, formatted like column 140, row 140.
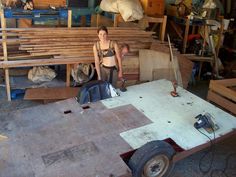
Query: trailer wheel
column 153, row 159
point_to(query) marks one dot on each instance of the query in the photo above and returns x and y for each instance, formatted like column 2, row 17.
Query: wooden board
column 221, row 101
column 222, row 92
column 152, row 62
column 82, row 143
column 51, row 93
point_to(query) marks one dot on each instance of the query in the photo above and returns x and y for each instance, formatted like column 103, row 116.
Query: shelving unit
column 4, row 42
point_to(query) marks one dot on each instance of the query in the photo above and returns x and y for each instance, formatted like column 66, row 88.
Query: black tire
column 153, row 159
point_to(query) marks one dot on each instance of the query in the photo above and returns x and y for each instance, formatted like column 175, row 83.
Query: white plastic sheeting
column 130, row 10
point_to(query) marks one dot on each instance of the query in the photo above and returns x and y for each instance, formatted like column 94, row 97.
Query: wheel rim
column 156, row 167
column 89, row 75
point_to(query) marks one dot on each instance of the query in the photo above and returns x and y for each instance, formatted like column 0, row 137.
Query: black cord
column 227, row 159
column 211, row 150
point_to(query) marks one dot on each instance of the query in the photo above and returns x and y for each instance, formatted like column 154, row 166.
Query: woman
column 107, row 58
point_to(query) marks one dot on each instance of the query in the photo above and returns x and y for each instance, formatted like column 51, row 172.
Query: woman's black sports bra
column 102, row 53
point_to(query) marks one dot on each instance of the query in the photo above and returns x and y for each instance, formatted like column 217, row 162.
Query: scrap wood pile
column 48, row 46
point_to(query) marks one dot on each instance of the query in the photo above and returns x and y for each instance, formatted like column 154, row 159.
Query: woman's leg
column 104, row 73
column 114, row 77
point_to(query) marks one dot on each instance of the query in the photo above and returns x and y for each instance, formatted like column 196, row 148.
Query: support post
column 163, row 28
column 98, row 19
column 4, row 46
column 186, row 35
column 68, row 67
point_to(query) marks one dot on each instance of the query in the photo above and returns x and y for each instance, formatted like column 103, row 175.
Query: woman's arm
column 118, row 57
column 97, row 62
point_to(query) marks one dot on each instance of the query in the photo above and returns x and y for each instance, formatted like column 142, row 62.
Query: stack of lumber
column 48, row 46
column 223, row 93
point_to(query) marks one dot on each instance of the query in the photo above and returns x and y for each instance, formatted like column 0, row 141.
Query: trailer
column 142, row 132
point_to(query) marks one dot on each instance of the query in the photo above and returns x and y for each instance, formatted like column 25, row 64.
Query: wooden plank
column 222, row 90
column 41, row 62
column 221, row 101
column 51, row 93
column 227, row 82
column 198, row 58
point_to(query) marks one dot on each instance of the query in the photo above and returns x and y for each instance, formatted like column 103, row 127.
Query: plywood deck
column 45, row 142
column 172, row 117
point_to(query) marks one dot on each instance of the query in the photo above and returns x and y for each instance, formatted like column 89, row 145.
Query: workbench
column 67, row 139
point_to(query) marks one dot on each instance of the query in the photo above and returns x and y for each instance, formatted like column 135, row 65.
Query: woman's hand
column 120, row 75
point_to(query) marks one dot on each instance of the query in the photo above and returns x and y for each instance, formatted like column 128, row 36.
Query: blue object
column 36, row 14
column 17, row 94
column 94, row 91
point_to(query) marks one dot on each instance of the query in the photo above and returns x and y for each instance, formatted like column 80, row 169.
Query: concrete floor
column 223, row 164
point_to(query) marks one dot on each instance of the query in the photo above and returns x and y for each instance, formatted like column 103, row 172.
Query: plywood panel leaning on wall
column 155, row 65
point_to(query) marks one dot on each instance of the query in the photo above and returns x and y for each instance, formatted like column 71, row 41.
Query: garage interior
column 173, row 112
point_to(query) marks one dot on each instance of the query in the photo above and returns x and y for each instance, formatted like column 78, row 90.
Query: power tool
column 206, row 121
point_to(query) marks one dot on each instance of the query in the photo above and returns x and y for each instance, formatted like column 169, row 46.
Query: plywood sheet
column 172, row 117
column 185, row 65
column 51, row 93
column 153, row 60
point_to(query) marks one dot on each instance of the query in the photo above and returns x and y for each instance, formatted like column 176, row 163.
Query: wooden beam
column 221, row 101
column 222, row 90
column 41, row 62
column 186, row 35
column 227, row 82
column 4, row 45
column 68, row 66
column 163, row 28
